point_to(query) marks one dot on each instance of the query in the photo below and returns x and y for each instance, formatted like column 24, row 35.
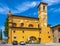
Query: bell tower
column 45, row 35
column 42, row 14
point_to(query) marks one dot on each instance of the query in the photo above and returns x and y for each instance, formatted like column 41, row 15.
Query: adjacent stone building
column 56, row 33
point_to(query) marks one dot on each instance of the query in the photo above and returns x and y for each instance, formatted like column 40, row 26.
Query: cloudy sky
column 29, row 8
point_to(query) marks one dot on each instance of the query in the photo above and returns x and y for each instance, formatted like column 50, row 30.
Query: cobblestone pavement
column 31, row 45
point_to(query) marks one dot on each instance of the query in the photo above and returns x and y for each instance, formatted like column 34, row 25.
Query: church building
column 28, row 29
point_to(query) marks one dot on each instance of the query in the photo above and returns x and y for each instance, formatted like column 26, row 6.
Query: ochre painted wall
column 27, row 32
column 43, row 31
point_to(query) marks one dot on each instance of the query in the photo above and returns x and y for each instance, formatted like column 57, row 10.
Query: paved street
column 23, row 45
column 31, row 45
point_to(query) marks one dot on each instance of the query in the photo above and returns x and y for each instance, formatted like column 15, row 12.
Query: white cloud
column 57, row 10
column 54, row 10
column 26, row 6
column 19, row 8
column 51, row 2
column 4, row 10
column 51, row 9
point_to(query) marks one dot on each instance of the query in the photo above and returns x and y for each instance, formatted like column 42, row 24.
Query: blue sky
column 29, row 8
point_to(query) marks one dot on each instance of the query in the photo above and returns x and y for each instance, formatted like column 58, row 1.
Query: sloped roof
column 55, row 25
column 42, row 3
column 25, row 16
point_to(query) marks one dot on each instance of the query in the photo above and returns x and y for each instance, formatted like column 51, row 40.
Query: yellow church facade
column 27, row 29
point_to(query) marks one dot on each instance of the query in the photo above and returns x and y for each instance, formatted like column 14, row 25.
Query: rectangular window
column 23, row 31
column 14, row 31
column 39, row 40
column 40, row 32
column 22, row 36
column 59, row 40
column 14, row 37
column 38, row 25
column 48, row 36
column 59, row 29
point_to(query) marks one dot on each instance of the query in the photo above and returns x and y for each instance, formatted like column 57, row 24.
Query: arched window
column 14, row 25
column 38, row 25
column 22, row 24
column 33, row 38
column 30, row 25
column 44, row 8
column 59, row 29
